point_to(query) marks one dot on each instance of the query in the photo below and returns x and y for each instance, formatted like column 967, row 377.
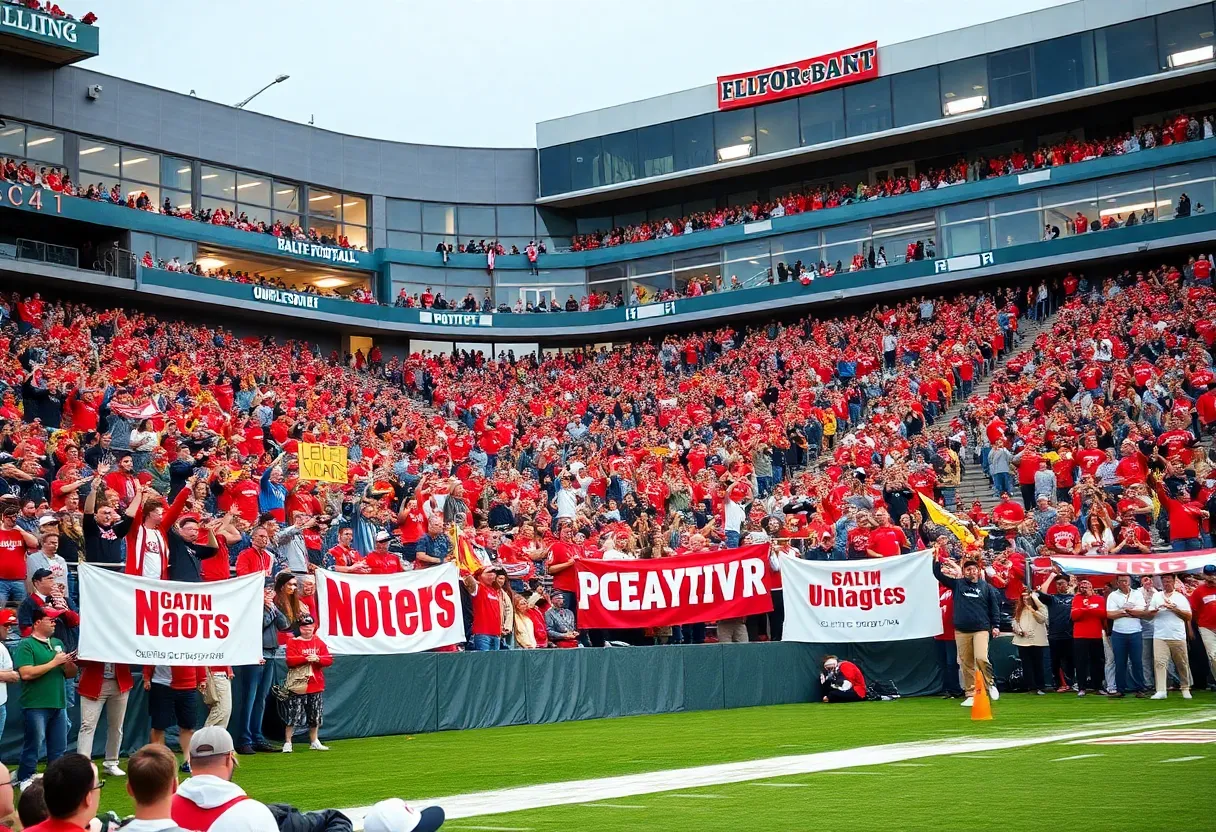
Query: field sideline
column 359, row 772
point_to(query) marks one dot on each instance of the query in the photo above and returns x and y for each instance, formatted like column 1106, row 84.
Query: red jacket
column 297, row 646
column 91, row 678
column 184, row 678
column 135, row 554
column 1088, row 615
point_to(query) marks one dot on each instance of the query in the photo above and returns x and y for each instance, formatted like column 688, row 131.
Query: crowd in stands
column 358, row 294
column 1180, row 128
column 59, row 181
column 819, row 437
column 50, row 8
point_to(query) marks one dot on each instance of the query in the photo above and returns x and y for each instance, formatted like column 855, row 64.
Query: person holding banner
column 977, row 611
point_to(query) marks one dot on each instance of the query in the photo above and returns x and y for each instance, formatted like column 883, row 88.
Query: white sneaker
column 1158, row 695
column 994, row 693
column 968, row 702
column 316, row 746
column 25, row 784
column 286, row 748
column 113, row 770
column 1186, row 694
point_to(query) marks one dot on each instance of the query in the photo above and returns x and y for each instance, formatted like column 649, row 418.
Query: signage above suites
column 836, row 69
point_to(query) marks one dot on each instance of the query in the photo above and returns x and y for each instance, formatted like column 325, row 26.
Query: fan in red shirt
column 841, row 681
column 1088, row 621
column 307, row 650
column 487, row 607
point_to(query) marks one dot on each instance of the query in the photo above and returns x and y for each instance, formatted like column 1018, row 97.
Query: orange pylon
column 981, row 705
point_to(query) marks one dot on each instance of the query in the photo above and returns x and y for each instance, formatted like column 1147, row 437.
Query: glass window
column 867, row 107
column 1128, row 50
column 287, row 218
column 354, row 210
column 410, row 240
column 210, row 204
column 12, row 141
column 429, row 241
column 176, row 173
column 140, row 165
column 964, row 86
column 1124, row 194
column 405, row 214
column 44, row 145
column 821, row 117
column 286, row 196
column 588, row 225
column 552, row 224
column 252, row 190
column 693, row 140
column 750, row 261
column 323, row 204
column 666, row 212
column 1064, row 64
column 620, row 157
column 966, row 238
column 794, row 247
column 1194, row 181
column 916, row 95
column 95, row 156
column 325, row 227
column 655, row 150
column 1016, row 220
column 891, row 236
column 135, row 189
column 1184, row 37
column 585, row 168
column 735, row 134
column 631, row 218
column 438, row 219
column 516, row 220
column 356, row 235
column 965, row 211
column 555, row 169
column 167, row 248
column 475, row 221
column 777, row 126
column 218, row 182
column 842, row 242
column 181, row 200
column 599, row 274
column 254, row 213
column 1069, row 206
column 1009, row 77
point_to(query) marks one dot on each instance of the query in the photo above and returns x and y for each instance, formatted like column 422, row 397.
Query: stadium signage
column 54, row 29
column 286, row 298
column 799, row 78
column 330, row 254
column 889, row 599
column 731, row 583
column 136, row 620
column 24, row 196
column 455, row 319
column 1141, row 565
column 407, row 612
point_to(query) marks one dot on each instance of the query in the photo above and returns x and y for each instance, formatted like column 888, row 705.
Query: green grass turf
column 360, row 772
column 1128, row 787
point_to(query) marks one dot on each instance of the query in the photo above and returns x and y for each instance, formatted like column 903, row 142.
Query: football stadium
column 830, row 442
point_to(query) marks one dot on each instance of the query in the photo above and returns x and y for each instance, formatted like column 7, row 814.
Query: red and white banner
column 884, row 599
column 135, row 620
column 687, row 589
column 1138, row 564
column 407, row 612
column 848, row 66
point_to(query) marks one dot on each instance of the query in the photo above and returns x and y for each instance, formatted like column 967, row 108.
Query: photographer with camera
column 841, row 681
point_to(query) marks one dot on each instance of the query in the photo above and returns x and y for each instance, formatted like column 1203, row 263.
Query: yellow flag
column 466, row 561
column 942, row 517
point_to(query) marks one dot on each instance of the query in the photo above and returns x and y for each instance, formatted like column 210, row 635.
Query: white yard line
column 614, row 805
column 1076, row 757
column 782, row 785
column 631, row 785
column 1182, row 759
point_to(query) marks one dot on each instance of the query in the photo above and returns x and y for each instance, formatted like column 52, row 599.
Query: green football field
column 1038, row 775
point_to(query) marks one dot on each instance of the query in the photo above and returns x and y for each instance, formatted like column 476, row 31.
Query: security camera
column 94, row 91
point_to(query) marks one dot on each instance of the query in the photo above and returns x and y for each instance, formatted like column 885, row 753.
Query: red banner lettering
column 847, row 66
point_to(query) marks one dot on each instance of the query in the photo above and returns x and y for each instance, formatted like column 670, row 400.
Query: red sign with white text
column 847, row 66
column 686, row 589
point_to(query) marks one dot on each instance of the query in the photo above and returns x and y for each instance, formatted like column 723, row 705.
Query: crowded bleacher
column 1180, row 128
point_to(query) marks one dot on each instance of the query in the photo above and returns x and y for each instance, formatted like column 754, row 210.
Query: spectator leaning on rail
column 977, row 608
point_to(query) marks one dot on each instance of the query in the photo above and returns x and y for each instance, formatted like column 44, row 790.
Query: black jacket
column 291, row 819
column 977, row 606
column 1059, row 615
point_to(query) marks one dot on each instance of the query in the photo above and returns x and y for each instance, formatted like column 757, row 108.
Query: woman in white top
column 1030, row 637
column 143, row 441
column 1098, row 538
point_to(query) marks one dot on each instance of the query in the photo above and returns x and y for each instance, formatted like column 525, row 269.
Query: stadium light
column 1191, row 56
column 278, row 80
column 965, row 105
column 210, row 263
column 734, row 151
column 329, row 283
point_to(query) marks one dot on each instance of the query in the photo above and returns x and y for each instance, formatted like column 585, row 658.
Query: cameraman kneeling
column 842, row 681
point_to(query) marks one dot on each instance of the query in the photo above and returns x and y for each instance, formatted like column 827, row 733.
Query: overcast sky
column 482, row 72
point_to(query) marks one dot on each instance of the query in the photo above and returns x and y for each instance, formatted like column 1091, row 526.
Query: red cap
column 7, row 617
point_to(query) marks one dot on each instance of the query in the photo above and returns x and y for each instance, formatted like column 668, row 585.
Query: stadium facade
column 864, row 113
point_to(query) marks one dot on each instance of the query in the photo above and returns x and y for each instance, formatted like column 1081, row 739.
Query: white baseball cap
column 393, row 815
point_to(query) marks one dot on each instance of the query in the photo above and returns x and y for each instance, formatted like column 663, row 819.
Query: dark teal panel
column 369, row 696
column 558, row 690
column 770, row 673
column 481, row 690
column 649, row 680
column 703, row 688
column 910, row 665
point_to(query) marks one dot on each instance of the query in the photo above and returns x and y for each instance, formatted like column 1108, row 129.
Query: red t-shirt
column 1088, row 615
column 886, row 540
column 12, row 555
column 853, row 673
column 1062, row 538
column 487, row 612
column 563, row 552
column 1203, row 605
column 945, row 600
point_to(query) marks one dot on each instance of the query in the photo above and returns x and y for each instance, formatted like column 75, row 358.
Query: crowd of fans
column 1180, row 128
column 166, row 448
column 358, row 294
column 50, row 8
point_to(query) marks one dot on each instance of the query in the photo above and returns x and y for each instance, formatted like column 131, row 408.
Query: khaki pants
column 115, row 704
column 221, row 710
column 973, row 651
column 1163, row 651
column 1208, row 637
column 732, row 630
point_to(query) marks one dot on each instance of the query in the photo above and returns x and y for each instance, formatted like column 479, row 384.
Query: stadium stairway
column 975, row 485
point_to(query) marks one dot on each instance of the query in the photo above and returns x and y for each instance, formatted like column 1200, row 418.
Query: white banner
column 135, row 620
column 1138, row 564
column 883, row 599
column 407, row 612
